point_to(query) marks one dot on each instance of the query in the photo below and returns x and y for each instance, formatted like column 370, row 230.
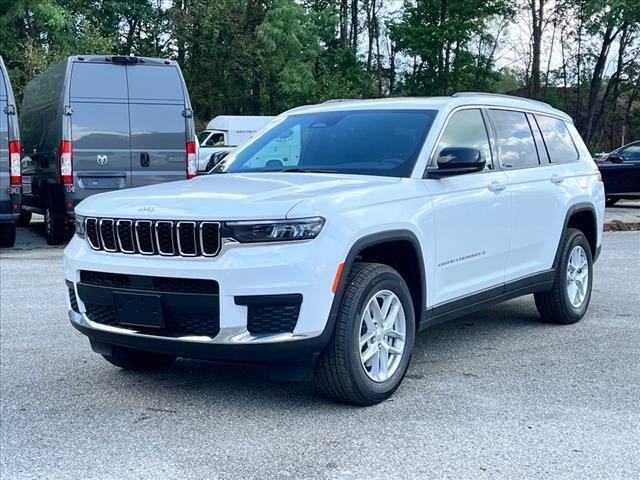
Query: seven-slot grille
column 159, row 237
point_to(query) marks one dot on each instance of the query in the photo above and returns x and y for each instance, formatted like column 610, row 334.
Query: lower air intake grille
column 72, row 297
column 265, row 319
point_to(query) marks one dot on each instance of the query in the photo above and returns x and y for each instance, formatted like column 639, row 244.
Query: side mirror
column 615, row 158
column 457, row 161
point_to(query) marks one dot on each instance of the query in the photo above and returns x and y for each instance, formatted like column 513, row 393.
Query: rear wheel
column 7, row 235
column 55, row 228
column 568, row 299
column 130, row 359
column 25, row 218
column 370, row 349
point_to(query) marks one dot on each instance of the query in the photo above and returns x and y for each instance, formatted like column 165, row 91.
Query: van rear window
column 98, row 80
column 154, row 82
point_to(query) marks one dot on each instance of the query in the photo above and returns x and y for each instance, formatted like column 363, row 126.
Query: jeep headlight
column 276, row 230
column 79, row 224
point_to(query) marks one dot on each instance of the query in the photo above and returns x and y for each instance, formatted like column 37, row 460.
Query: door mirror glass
column 457, row 161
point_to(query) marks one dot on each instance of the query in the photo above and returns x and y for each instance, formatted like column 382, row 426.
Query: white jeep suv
column 335, row 235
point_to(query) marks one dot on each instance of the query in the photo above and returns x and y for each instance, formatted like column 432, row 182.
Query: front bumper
column 241, row 271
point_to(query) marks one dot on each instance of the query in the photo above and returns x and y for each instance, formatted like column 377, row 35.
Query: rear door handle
column 145, row 160
column 496, row 186
column 556, row 178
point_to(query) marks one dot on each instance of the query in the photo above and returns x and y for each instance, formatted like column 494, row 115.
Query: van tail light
column 66, row 163
column 192, row 161
column 14, row 163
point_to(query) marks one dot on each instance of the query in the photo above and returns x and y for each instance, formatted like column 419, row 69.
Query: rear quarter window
column 516, row 146
column 557, row 139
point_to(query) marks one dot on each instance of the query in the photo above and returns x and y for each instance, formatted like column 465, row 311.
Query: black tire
column 25, row 218
column 554, row 306
column 610, row 202
column 7, row 234
column 130, row 359
column 339, row 370
column 55, row 228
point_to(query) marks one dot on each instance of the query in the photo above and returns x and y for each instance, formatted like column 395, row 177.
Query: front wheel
column 569, row 297
column 130, row 359
column 370, row 349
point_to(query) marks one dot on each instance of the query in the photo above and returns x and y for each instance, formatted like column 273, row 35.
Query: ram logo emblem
column 102, row 160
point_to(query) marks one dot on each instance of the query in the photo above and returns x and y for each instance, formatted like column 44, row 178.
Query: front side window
column 361, row 142
column 516, row 147
column 466, row 128
column 557, row 139
column 215, row 140
column 632, row 152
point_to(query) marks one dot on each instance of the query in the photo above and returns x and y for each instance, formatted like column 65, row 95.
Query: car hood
column 230, row 196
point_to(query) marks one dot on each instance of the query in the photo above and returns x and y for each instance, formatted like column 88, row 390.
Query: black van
column 93, row 124
column 10, row 180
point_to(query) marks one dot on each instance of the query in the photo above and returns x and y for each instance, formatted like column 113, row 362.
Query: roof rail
column 499, row 95
column 338, row 100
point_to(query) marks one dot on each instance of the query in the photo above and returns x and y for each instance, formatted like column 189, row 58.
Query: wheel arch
column 581, row 216
column 372, row 248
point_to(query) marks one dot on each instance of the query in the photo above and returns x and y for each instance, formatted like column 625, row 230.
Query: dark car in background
column 620, row 171
column 10, row 179
column 93, row 124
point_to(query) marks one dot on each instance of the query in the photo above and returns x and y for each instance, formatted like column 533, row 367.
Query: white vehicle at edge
column 398, row 214
column 224, row 133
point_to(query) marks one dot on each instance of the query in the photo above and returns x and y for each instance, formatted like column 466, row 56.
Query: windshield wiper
column 306, row 170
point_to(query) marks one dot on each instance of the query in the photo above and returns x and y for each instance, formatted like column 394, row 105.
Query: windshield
column 202, row 136
column 363, row 142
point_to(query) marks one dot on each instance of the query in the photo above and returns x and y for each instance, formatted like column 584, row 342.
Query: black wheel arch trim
column 578, row 207
column 365, row 242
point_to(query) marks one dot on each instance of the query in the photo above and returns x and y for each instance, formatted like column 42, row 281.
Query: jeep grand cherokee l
column 338, row 233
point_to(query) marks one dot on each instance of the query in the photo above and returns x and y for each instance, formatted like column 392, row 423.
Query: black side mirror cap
column 457, row 161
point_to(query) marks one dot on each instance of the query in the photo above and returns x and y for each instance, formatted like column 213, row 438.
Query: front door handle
column 496, row 187
column 145, row 160
column 555, row 178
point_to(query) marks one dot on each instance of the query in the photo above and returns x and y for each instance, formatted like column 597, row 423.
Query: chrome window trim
column 133, row 240
column 173, row 246
column 139, row 222
column 195, row 238
column 93, row 247
column 219, row 242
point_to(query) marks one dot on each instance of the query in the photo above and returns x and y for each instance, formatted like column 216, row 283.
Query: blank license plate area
column 139, row 309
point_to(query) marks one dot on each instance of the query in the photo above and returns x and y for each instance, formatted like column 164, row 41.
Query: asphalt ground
column 496, row 394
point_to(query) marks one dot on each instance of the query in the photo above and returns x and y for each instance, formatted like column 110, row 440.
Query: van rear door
column 100, row 127
column 158, row 126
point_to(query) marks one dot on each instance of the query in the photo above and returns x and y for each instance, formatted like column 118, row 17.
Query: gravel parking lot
column 496, row 394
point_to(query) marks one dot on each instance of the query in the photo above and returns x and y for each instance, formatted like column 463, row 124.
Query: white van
column 226, row 132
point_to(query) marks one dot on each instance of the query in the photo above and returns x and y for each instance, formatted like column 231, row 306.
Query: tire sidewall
column 576, row 240
column 392, row 281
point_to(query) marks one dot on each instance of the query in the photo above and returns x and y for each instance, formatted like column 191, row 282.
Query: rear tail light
column 192, row 161
column 14, row 163
column 66, row 163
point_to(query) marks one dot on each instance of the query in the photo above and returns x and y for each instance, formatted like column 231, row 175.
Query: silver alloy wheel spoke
column 577, row 276
column 382, row 335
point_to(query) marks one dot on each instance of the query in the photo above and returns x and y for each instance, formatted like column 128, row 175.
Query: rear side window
column 98, row 80
column 557, row 139
column 154, row 82
column 516, row 146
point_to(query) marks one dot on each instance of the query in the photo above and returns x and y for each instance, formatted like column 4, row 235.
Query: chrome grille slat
column 186, row 238
column 187, row 242
column 124, row 232
column 107, row 235
column 160, row 240
column 143, row 236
